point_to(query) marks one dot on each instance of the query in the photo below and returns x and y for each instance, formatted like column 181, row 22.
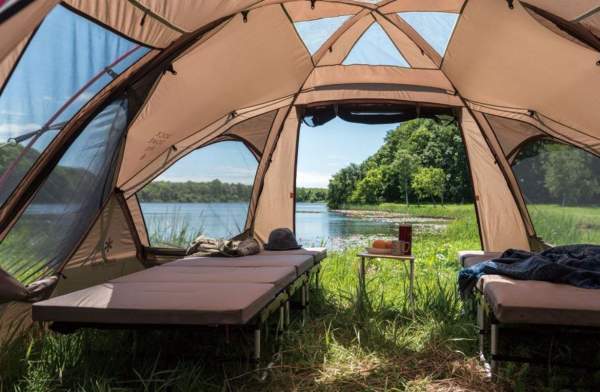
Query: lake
column 315, row 223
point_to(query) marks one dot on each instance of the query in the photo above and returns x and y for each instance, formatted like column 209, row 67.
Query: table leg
column 412, row 282
column 361, row 277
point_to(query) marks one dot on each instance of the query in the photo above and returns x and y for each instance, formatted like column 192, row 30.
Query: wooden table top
column 385, row 256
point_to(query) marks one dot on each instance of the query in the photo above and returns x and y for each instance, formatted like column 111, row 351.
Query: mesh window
column 66, row 52
column 435, row 27
column 561, row 185
column 375, row 48
column 314, row 33
column 205, row 193
column 67, row 201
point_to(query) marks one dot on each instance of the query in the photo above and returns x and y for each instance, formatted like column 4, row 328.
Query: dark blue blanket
column 577, row 265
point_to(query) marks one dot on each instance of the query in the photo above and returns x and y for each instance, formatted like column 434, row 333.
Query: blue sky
column 68, row 50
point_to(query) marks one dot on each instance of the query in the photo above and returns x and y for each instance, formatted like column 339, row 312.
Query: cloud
column 14, row 113
column 312, row 179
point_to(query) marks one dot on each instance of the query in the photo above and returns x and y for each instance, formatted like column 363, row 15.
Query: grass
column 348, row 344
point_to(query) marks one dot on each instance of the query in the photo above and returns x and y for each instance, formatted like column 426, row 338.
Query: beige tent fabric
column 244, row 64
column 133, row 205
column 264, row 164
column 255, row 130
column 499, row 218
column 546, row 125
column 337, row 75
column 9, row 62
column 489, row 61
column 16, row 29
column 109, row 240
column 422, row 5
column 343, row 93
column 276, row 202
column 416, row 38
column 195, row 141
column 505, row 169
column 125, row 17
column 592, row 23
column 511, row 133
column 569, row 10
column 407, row 47
column 15, row 317
column 338, row 33
column 190, row 15
column 339, row 49
column 556, row 29
column 108, row 251
column 302, row 10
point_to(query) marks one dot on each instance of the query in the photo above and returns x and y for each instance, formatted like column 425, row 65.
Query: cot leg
column 412, row 283
column 257, row 344
column 287, row 313
column 308, row 291
column 281, row 322
column 481, row 325
column 303, row 303
column 317, row 279
column 494, row 349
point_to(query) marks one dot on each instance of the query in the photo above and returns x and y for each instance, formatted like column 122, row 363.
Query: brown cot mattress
column 469, row 258
column 536, row 302
column 317, row 253
column 280, row 277
column 159, row 303
column 302, row 263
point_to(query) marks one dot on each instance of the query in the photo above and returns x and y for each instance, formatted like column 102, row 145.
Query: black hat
column 282, row 239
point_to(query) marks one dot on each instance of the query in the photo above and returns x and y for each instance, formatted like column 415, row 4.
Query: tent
column 187, row 74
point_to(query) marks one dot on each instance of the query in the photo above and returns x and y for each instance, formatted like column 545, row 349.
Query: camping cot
column 198, row 291
column 504, row 303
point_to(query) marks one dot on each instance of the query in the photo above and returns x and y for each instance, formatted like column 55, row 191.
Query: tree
column 568, row 173
column 404, row 166
column 342, row 185
column 430, row 182
column 369, row 190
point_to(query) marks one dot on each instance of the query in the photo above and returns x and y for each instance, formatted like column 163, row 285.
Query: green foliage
column 311, row 195
column 342, row 185
column 370, row 188
column 430, row 182
column 214, row 191
column 568, row 173
column 414, row 144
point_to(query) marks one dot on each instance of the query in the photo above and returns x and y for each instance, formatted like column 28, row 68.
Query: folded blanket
column 203, row 246
column 576, row 265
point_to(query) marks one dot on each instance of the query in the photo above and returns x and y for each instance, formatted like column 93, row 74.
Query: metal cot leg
column 257, row 344
column 287, row 313
column 494, row 349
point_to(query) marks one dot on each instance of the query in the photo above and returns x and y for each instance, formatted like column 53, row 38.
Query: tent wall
column 501, row 224
column 108, row 251
column 244, row 64
column 276, row 203
column 489, row 61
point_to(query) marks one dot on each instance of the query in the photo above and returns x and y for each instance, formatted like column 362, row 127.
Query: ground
column 346, row 345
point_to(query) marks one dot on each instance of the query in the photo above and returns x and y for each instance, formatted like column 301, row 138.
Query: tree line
column 425, row 160
column 213, row 191
column 422, row 159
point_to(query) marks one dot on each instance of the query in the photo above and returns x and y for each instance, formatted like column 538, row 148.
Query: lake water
column 315, row 224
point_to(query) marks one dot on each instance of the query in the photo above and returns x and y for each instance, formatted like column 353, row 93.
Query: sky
column 67, row 51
